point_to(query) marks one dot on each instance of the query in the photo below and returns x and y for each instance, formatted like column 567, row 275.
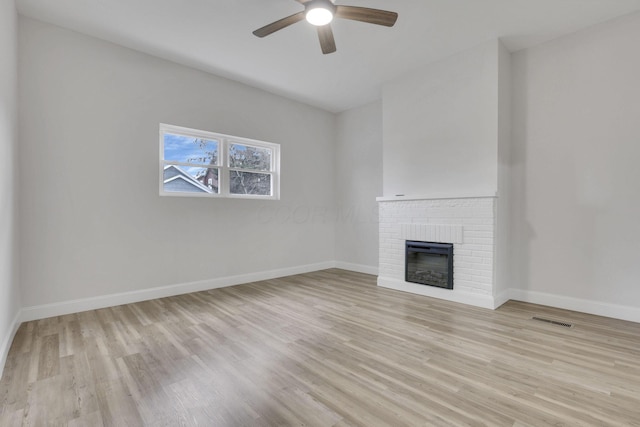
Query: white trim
column 501, row 298
column 478, row 300
column 8, row 340
column 76, row 306
column 224, row 177
column 84, row 304
column 358, row 268
column 443, row 233
column 622, row 312
column 404, row 198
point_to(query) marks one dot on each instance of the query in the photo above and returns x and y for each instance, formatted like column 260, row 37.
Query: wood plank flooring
column 321, row 349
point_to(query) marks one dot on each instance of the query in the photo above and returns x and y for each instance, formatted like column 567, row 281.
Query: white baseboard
column 8, row 339
column 84, row 304
column 484, row 301
column 622, row 312
column 79, row 305
column 501, row 298
column 358, row 268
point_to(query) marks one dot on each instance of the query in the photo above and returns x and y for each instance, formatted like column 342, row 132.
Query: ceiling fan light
column 319, row 16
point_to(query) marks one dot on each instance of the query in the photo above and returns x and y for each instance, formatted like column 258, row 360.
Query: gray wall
column 576, row 145
column 9, row 292
column 440, row 127
column 358, row 158
column 92, row 222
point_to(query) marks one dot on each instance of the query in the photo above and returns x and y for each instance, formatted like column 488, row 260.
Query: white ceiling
column 215, row 36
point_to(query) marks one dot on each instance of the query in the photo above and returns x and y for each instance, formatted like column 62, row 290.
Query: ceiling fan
column 321, row 12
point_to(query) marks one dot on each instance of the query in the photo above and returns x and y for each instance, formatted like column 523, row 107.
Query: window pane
column 248, row 157
column 187, row 149
column 250, row 183
column 185, row 179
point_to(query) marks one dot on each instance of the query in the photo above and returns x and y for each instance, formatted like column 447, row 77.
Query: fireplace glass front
column 429, row 263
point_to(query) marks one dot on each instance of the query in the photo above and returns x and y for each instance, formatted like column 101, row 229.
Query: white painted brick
column 467, row 223
column 461, row 270
column 482, row 280
column 478, row 227
column 479, row 234
column 480, row 291
column 477, row 271
column 458, row 250
column 480, row 241
column 476, row 247
column 468, row 259
column 477, row 221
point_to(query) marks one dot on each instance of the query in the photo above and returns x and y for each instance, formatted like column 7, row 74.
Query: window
column 205, row 164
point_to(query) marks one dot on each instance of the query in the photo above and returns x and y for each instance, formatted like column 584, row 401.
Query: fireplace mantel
column 435, row 196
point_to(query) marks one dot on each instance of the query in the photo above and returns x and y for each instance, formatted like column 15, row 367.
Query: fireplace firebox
column 429, row 263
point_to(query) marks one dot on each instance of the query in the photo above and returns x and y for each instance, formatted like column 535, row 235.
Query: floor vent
column 555, row 322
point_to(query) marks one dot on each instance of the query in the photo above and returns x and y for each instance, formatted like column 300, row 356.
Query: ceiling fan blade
column 278, row 25
column 364, row 14
column 327, row 42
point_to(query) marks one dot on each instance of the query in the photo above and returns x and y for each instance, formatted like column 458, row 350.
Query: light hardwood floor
column 321, row 349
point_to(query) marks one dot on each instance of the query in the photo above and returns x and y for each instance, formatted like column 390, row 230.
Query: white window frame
column 223, row 167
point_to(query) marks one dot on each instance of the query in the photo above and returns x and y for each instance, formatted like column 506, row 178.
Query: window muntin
column 199, row 163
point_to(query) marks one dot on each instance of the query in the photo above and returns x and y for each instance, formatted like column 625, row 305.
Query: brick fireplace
column 469, row 223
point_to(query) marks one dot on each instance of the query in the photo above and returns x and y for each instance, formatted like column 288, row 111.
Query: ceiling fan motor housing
column 323, row 4
column 318, row 10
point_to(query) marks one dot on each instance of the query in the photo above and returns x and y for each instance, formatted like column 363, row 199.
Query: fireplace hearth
column 429, row 263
